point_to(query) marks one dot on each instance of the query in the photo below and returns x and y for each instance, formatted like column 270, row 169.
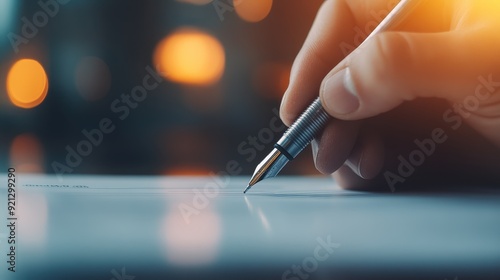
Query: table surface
column 147, row 227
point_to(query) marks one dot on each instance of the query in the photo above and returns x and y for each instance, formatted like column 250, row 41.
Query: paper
column 112, row 227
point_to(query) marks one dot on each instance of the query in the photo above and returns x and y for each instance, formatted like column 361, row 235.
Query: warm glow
column 253, row 10
column 187, row 171
column 190, row 56
column 27, row 83
column 196, row 2
column 193, row 243
column 26, row 154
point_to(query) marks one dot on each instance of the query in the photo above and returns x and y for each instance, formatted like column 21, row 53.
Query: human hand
column 445, row 49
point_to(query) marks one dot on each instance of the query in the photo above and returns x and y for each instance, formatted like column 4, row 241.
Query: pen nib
column 268, row 168
column 248, row 187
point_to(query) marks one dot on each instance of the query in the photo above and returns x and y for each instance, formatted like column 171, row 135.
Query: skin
column 402, row 82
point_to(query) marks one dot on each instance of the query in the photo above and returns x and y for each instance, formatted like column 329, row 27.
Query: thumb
column 394, row 67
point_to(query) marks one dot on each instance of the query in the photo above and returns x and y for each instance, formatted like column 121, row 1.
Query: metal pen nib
column 312, row 121
column 268, row 168
column 295, row 139
column 247, row 188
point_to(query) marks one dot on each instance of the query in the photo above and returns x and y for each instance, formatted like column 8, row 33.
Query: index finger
column 335, row 32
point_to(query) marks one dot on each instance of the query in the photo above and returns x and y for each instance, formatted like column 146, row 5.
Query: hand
column 446, row 50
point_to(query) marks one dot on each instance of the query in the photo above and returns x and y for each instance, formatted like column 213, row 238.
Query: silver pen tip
column 248, row 187
column 268, row 168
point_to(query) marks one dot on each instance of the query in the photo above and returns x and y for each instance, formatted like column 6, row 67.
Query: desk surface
column 115, row 227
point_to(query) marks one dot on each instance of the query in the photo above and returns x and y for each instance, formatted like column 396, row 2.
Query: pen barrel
column 303, row 130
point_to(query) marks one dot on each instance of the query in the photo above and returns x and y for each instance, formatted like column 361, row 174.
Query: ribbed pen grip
column 304, row 129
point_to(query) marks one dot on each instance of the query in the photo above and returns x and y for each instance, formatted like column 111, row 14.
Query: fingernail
column 355, row 161
column 315, row 148
column 339, row 94
column 355, row 167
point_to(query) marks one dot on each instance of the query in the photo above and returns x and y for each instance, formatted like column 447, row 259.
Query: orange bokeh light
column 253, row 10
column 26, row 154
column 190, row 56
column 27, row 83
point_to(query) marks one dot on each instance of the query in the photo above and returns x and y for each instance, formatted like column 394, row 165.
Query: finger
column 316, row 58
column 333, row 27
column 347, row 179
column 367, row 158
column 332, row 148
column 395, row 67
column 339, row 28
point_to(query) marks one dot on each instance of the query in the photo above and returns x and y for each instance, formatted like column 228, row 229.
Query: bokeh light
column 92, row 78
column 253, row 10
column 190, row 56
column 27, row 83
column 26, row 154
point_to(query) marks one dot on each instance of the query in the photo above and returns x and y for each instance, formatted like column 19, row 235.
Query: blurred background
column 67, row 66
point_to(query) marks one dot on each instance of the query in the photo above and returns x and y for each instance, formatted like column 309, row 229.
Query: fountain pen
column 313, row 120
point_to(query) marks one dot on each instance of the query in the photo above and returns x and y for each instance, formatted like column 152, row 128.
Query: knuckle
column 393, row 51
column 386, row 62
